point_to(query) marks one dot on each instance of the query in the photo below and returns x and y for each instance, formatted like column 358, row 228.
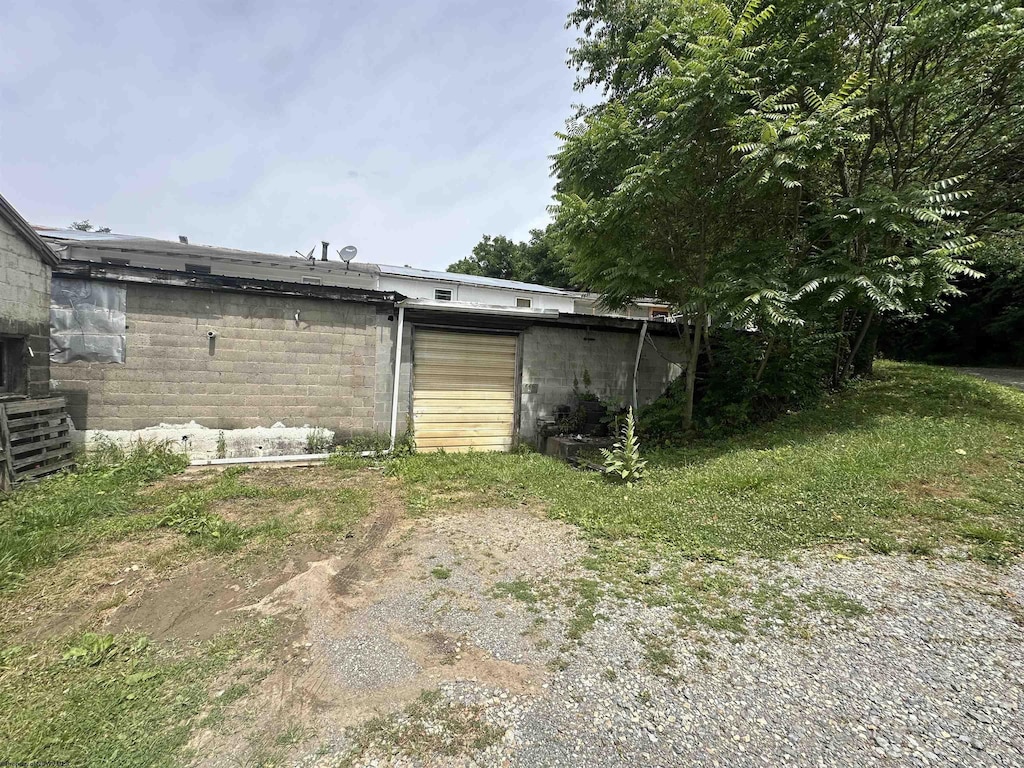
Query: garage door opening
column 464, row 387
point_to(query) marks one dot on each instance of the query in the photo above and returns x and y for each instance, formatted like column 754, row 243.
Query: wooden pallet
column 34, row 440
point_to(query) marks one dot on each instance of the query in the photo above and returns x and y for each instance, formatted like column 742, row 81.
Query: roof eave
column 23, row 228
column 176, row 279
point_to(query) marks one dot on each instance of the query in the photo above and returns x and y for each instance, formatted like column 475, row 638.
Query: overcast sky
column 408, row 129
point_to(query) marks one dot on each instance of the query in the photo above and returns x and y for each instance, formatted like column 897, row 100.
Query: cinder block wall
column 387, row 331
column 663, row 359
column 25, row 306
column 552, row 356
column 263, row 366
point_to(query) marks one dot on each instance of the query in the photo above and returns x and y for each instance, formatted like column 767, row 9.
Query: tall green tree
column 532, row 261
column 803, row 163
column 895, row 143
column 982, row 326
column 649, row 192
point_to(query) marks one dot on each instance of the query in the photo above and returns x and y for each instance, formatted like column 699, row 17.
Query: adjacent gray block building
column 25, row 268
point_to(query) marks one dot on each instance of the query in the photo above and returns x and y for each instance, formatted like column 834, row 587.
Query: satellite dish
column 308, row 256
column 348, row 253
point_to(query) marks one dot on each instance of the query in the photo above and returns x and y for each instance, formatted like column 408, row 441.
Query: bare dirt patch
column 306, row 480
column 372, row 611
column 199, row 600
column 206, row 596
column 75, row 594
column 920, row 490
column 381, row 626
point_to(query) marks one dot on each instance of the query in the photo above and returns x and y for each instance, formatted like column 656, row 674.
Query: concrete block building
column 25, row 268
column 196, row 339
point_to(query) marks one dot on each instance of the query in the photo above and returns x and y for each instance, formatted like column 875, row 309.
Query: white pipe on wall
column 636, row 365
column 398, row 375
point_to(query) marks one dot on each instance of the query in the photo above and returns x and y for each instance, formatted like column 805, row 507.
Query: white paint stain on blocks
column 201, row 442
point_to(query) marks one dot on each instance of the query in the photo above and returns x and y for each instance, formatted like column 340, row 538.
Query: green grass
column 100, row 700
column 441, row 572
column 849, row 472
column 344, row 507
column 41, row 523
column 107, row 500
column 191, row 511
column 833, row 602
column 520, row 589
column 588, row 594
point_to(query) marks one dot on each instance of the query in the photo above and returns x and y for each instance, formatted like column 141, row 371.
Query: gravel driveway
column 931, row 676
column 1011, row 377
column 530, row 660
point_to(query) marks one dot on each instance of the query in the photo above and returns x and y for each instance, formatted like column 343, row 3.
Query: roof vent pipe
column 323, row 251
column 183, row 239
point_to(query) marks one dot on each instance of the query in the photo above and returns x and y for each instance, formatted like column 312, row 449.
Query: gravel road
column 819, row 661
column 932, row 675
column 1011, row 377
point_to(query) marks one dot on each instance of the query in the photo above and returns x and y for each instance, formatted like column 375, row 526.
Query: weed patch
column 588, row 593
column 425, row 729
column 658, row 655
column 42, row 523
column 99, row 700
column 521, row 590
column 833, row 602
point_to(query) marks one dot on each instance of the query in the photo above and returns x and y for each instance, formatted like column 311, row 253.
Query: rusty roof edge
column 174, row 279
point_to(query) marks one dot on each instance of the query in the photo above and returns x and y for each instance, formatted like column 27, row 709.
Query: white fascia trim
column 455, row 281
column 476, row 309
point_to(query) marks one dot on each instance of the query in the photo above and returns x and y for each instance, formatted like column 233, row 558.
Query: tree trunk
column 838, row 357
column 691, row 373
column 864, row 365
column 764, row 360
column 848, row 367
column 707, row 348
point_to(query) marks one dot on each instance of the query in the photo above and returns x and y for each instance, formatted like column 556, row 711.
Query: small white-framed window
column 443, row 294
column 524, row 302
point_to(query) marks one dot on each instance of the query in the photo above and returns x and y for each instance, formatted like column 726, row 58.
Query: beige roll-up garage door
column 464, row 388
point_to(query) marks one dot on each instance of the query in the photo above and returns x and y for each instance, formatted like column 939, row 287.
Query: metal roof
column 111, row 240
column 246, row 284
column 77, row 234
column 458, row 277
